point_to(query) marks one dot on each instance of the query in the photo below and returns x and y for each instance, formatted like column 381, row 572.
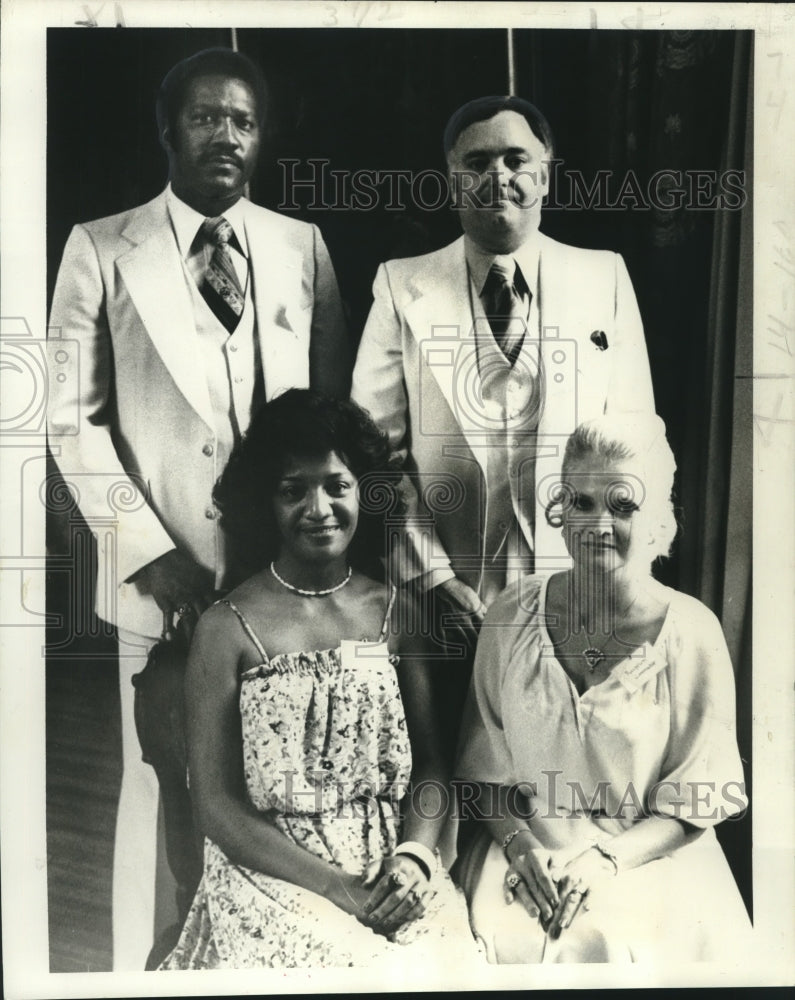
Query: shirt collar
column 479, row 262
column 187, row 222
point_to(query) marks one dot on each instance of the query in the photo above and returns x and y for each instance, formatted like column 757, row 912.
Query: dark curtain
column 719, row 552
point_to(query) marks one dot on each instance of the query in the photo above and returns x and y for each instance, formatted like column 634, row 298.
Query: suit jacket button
column 209, row 514
column 207, row 450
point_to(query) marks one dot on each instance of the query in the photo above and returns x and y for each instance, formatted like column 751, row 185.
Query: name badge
column 639, row 668
column 356, row 653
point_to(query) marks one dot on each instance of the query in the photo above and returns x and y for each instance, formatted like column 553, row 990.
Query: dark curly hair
column 305, row 423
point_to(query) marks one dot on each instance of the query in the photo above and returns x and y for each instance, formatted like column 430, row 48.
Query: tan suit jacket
column 130, row 418
column 417, row 374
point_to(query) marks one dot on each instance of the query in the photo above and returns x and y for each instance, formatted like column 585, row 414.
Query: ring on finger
column 512, row 881
column 397, row 879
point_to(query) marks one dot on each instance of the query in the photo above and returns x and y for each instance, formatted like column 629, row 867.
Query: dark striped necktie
column 505, row 308
column 220, row 286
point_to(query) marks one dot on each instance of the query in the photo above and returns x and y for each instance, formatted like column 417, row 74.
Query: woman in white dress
column 316, row 770
column 600, row 735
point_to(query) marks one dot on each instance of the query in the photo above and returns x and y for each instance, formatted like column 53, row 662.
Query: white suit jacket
column 417, row 374
column 129, row 413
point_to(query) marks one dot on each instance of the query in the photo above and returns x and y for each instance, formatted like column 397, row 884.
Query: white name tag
column 355, row 653
column 639, row 668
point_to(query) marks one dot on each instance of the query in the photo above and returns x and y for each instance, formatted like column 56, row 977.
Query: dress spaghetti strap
column 387, row 616
column 247, row 629
column 261, row 649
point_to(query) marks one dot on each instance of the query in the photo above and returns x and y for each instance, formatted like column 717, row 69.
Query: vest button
column 207, row 450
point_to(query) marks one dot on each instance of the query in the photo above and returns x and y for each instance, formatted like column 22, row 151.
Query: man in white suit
column 171, row 323
column 479, row 359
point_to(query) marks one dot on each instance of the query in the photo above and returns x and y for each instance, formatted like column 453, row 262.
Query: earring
column 553, row 520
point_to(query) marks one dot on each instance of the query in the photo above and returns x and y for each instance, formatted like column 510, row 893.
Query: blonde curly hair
column 639, row 437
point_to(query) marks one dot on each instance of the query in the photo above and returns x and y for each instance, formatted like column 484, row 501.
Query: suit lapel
column 560, row 344
column 441, row 320
column 153, row 275
column 283, row 323
column 577, row 298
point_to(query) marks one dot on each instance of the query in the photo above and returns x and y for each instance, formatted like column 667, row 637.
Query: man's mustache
column 221, row 154
column 487, row 197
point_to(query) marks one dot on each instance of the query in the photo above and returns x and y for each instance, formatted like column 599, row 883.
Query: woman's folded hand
column 399, row 888
column 576, row 882
column 530, row 878
column 350, row 894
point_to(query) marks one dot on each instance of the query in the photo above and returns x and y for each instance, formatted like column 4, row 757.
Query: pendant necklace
column 593, row 655
column 312, row 593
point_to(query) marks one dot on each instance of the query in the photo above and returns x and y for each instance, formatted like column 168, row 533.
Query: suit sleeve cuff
column 427, row 581
column 132, row 565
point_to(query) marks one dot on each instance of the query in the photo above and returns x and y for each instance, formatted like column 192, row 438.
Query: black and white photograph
column 397, row 558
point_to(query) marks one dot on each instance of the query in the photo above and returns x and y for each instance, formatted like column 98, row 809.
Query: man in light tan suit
column 183, row 328
column 479, row 359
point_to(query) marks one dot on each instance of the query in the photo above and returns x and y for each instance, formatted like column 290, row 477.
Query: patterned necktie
column 221, row 286
column 505, row 308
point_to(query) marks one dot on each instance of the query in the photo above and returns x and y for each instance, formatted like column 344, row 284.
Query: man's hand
column 460, row 611
column 464, row 598
column 180, row 587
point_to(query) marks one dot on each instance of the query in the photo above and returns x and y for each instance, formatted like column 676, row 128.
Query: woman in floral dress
column 601, row 736
column 314, row 764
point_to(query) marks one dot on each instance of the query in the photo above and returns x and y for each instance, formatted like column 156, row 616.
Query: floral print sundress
column 327, row 759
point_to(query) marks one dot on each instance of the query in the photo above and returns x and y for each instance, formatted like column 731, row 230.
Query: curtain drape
column 723, row 541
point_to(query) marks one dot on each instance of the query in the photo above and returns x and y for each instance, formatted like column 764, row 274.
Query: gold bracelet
column 506, row 840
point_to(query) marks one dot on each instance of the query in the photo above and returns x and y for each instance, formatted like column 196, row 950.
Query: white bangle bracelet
column 423, row 855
